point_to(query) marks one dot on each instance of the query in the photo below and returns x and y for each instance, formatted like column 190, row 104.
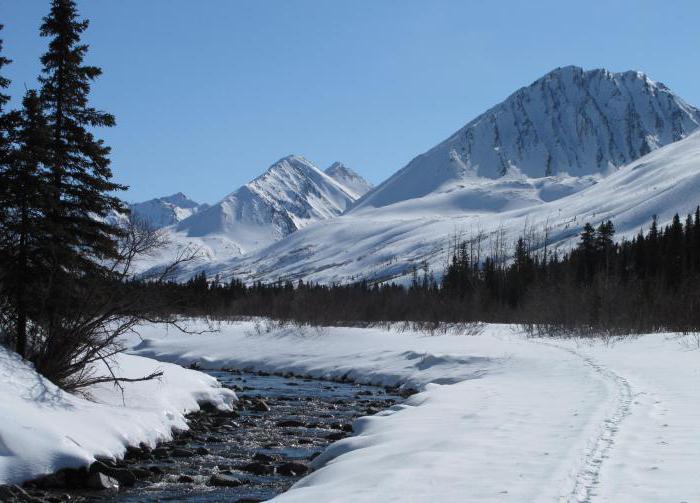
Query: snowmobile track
column 586, row 476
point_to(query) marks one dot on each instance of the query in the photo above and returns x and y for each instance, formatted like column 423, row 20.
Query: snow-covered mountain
column 348, row 179
column 570, row 121
column 575, row 146
column 386, row 243
column 164, row 211
column 289, row 195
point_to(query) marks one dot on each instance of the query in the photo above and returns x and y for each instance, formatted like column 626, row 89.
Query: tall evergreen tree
column 24, row 198
column 587, row 254
column 8, row 123
column 605, row 244
column 7, row 120
column 80, row 179
column 4, row 81
column 674, row 253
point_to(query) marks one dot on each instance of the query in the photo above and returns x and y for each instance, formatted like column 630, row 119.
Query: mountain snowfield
column 578, row 146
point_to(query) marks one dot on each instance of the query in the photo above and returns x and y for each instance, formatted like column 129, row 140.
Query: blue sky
column 208, row 94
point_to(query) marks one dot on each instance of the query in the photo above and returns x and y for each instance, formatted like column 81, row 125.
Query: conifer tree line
column 600, row 287
column 58, row 250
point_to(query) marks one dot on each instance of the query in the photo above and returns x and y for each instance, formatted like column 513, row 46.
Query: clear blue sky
column 208, row 94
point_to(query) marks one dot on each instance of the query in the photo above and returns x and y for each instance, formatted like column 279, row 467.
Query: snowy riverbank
column 499, row 417
column 43, row 429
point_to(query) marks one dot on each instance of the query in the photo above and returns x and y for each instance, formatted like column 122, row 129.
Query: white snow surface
column 386, row 243
column 43, row 429
column 499, row 417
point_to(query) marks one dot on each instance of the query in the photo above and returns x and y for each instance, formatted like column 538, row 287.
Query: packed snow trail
column 499, row 417
column 586, row 475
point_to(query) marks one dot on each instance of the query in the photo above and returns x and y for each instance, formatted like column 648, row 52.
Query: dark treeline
column 648, row 283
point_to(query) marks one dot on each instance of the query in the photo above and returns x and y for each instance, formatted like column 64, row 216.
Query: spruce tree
column 4, row 81
column 7, row 123
column 587, row 254
column 25, row 200
column 80, row 175
column 674, row 252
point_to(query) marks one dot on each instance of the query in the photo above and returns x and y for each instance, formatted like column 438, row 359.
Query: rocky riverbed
column 250, row 454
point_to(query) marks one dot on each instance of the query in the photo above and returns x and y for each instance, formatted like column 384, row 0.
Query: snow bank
column 44, row 429
column 499, row 417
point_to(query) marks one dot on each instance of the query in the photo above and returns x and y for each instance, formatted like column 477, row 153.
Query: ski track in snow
column 586, row 475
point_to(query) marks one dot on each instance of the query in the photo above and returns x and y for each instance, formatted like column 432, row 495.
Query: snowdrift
column 44, row 429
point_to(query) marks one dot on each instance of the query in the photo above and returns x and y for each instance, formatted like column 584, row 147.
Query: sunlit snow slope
column 385, row 243
column 572, row 147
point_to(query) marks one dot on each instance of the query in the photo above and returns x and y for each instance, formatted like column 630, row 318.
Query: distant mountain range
column 164, row 211
column 290, row 195
column 572, row 147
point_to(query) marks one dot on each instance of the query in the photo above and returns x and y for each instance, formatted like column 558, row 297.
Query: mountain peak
column 348, row 178
column 570, row 121
column 338, row 167
column 292, row 159
column 289, row 195
column 168, row 210
column 179, row 199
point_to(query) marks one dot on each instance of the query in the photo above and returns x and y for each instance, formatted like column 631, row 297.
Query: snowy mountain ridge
column 163, row 211
column 570, row 121
column 349, row 179
column 386, row 243
column 291, row 194
column 574, row 146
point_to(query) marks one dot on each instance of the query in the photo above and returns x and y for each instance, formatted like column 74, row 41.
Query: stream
column 252, row 454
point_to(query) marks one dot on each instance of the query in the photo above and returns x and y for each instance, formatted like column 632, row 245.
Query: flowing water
column 261, row 451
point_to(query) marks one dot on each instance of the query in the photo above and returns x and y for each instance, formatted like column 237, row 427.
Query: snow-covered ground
column 43, row 429
column 498, row 418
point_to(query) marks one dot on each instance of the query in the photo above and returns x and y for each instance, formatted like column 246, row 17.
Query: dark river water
column 264, row 451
